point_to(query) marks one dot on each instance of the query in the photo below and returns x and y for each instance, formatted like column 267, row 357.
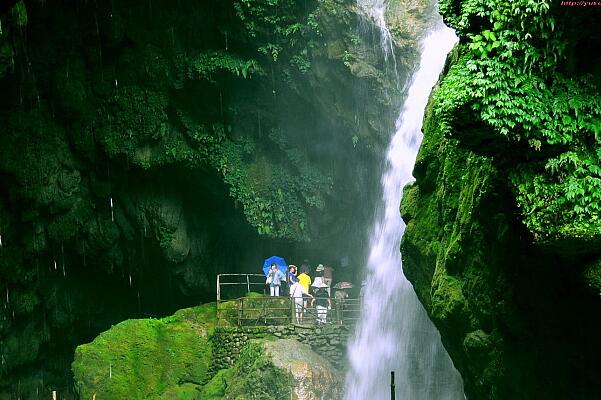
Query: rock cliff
column 142, row 141
column 502, row 239
column 181, row 357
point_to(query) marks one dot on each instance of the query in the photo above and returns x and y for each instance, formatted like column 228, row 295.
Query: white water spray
column 376, row 10
column 394, row 332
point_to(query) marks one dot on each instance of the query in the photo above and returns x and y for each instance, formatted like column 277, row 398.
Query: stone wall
column 329, row 341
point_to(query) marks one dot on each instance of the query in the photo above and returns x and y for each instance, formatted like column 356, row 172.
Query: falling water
column 376, row 11
column 112, row 213
column 394, row 332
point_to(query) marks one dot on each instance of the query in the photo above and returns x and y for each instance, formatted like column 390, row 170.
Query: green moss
column 255, row 377
column 448, row 303
column 592, row 276
column 147, row 359
column 506, row 186
column 256, row 310
column 186, row 391
column 216, row 387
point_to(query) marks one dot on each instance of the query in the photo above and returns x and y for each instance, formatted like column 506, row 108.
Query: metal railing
column 267, row 310
column 244, row 281
column 256, row 309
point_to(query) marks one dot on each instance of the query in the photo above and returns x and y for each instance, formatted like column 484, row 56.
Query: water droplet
column 112, row 213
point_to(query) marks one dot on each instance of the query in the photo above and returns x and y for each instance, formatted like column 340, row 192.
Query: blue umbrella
column 279, row 261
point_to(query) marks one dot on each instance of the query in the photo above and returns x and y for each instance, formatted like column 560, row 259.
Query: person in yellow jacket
column 305, row 280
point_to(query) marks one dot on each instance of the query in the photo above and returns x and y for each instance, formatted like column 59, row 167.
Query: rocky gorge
column 142, row 141
column 146, row 146
column 503, row 233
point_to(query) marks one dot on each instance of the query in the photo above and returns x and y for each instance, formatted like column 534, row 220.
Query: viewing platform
column 243, row 300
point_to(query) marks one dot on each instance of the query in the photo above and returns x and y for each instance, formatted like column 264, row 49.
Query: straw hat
column 319, row 267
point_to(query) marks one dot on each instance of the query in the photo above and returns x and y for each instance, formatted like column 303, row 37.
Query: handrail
column 247, row 282
column 268, row 310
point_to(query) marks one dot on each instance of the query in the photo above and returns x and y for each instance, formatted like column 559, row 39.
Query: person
column 305, row 280
column 292, row 278
column 298, row 293
column 327, row 277
column 340, row 296
column 363, row 287
column 274, row 280
column 322, row 302
column 318, row 277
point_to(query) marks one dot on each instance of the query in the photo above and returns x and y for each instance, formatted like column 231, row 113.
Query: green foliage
column 275, row 196
column 592, row 276
column 284, row 30
column 507, row 79
column 20, row 13
column 215, row 388
column 135, row 119
column 256, row 378
column 207, row 64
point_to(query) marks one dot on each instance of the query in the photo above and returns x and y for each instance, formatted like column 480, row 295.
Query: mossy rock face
column 148, row 359
column 142, row 142
column 254, row 376
column 177, row 358
column 313, row 376
column 516, row 303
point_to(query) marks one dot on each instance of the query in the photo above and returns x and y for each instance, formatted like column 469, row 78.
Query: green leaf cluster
column 207, row 64
column 507, row 79
column 283, row 29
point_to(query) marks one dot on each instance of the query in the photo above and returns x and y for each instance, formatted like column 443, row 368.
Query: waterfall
column 376, row 11
column 394, row 332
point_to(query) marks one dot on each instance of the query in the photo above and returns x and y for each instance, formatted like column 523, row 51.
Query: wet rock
column 315, row 377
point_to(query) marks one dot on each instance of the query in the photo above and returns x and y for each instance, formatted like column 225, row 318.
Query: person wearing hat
column 321, row 300
column 318, row 277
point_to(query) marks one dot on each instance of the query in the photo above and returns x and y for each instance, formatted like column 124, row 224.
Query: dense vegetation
column 142, row 141
column 502, row 241
column 520, row 79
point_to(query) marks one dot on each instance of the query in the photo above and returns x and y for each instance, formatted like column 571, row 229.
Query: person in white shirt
column 296, row 293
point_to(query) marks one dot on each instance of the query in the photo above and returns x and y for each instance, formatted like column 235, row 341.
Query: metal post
column 247, row 284
column 392, row 391
column 218, row 291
